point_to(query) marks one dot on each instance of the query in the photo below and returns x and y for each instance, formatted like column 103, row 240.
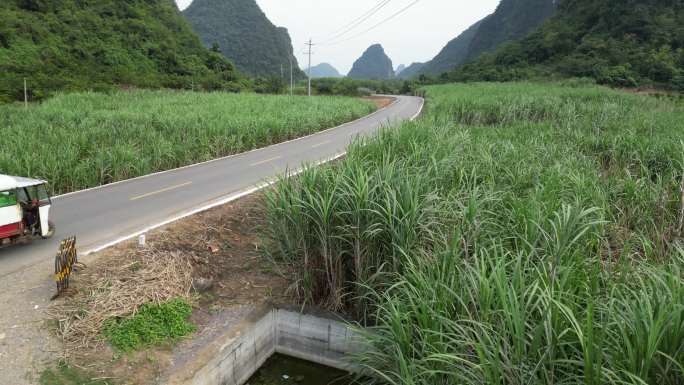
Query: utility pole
column 25, row 94
column 291, row 77
column 310, row 44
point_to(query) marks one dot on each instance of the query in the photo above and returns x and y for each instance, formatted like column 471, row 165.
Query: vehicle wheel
column 51, row 230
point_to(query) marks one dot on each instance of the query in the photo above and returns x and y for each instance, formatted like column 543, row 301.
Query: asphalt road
column 106, row 215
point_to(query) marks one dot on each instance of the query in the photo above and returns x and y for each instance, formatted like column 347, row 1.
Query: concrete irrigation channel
column 233, row 357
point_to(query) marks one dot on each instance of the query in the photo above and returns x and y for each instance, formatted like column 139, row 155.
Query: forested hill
column 511, row 20
column 453, row 54
column 621, row 43
column 74, row 45
column 374, row 64
column 411, row 71
column 244, row 35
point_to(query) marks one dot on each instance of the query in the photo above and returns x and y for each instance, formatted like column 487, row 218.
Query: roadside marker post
column 65, row 263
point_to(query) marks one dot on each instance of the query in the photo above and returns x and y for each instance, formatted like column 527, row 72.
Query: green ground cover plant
column 153, row 324
column 82, row 140
column 63, row 374
column 517, row 234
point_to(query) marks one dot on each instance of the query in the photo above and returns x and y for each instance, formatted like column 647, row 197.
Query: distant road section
column 107, row 215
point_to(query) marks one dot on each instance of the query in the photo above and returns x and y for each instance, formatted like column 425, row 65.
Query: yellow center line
column 264, row 161
column 160, row 191
column 320, row 144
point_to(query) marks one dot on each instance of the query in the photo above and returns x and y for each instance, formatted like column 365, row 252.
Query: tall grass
column 518, row 234
column 82, row 140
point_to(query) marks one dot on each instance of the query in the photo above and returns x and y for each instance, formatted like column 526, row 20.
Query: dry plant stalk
column 118, row 287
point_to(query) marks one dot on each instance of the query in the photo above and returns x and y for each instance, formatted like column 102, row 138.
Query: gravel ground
column 26, row 345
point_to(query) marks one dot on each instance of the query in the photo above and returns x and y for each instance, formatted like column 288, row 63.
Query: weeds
column 63, row 374
column 517, row 234
column 152, row 325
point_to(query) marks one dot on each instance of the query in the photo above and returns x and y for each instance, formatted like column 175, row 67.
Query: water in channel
column 282, row 370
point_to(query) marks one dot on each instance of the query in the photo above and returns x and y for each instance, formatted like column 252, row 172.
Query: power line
column 373, row 10
column 377, row 25
column 355, row 23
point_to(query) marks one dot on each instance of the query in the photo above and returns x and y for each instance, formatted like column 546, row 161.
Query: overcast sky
column 416, row 35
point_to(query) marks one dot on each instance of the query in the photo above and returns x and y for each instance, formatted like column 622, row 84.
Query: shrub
column 617, row 76
column 152, row 325
column 678, row 83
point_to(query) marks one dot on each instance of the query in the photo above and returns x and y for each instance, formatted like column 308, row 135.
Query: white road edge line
column 220, row 202
column 228, row 199
column 420, row 110
column 396, row 100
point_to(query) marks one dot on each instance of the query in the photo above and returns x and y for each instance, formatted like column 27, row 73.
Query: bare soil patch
column 380, row 101
column 213, row 259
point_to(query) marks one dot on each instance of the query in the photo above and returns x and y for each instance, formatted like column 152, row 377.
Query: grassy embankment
column 82, row 140
column 517, row 234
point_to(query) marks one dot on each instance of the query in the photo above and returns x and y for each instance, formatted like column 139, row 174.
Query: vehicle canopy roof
column 8, row 182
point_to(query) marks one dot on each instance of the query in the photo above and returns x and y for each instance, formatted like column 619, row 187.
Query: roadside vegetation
column 64, row 374
column 82, row 140
column 358, row 87
column 518, row 234
column 128, row 311
column 153, row 324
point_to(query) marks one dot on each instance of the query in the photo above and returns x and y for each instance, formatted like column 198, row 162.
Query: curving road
column 107, row 215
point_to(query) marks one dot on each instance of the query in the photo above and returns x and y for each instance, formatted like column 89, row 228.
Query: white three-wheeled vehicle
column 24, row 209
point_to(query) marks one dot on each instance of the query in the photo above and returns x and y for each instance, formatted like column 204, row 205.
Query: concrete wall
column 241, row 353
column 235, row 356
column 316, row 339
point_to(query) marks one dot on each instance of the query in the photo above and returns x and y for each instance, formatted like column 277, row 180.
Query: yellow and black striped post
column 65, row 260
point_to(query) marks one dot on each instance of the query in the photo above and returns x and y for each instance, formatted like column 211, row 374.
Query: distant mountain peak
column 373, row 64
column 324, row 70
column 244, row 35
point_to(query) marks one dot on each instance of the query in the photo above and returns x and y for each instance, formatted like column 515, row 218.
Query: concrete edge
column 233, row 357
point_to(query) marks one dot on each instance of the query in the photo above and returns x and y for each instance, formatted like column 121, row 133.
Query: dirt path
column 380, row 101
column 26, row 345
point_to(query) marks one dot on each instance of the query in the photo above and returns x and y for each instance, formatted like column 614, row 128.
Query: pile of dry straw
column 117, row 287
